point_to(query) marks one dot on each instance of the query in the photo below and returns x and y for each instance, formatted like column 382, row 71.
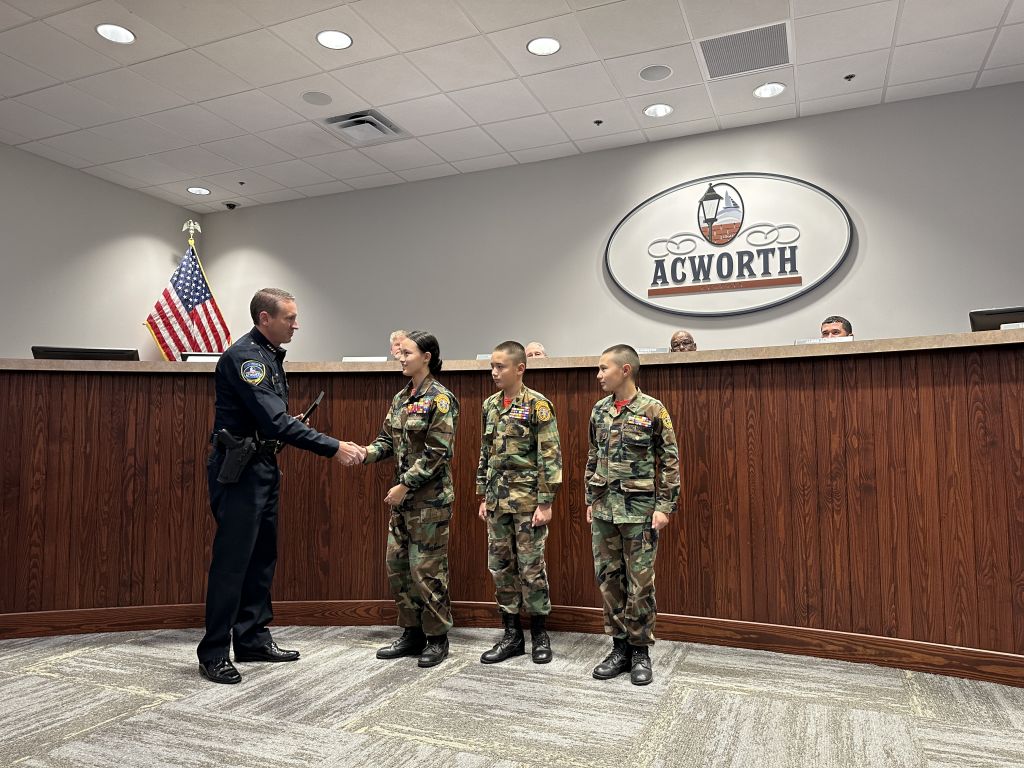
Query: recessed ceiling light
column 115, row 33
column 198, row 190
column 769, row 90
column 658, row 110
column 333, row 39
column 655, row 72
column 543, row 46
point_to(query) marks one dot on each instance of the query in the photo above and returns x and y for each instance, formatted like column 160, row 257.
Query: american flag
column 186, row 317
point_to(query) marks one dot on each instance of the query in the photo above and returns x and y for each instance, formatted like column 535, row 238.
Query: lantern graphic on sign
column 720, row 214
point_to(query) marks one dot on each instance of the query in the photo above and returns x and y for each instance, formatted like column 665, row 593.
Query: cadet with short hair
column 519, row 473
column 632, row 481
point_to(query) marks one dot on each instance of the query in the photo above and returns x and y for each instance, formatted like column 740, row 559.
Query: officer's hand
column 590, row 513
column 542, row 515
column 396, row 495
column 349, row 454
column 660, row 521
column 482, row 512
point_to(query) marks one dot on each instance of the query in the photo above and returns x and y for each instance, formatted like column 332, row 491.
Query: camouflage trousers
column 624, row 565
column 417, row 565
column 515, row 558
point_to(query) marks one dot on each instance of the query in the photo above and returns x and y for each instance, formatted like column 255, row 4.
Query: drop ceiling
column 211, row 92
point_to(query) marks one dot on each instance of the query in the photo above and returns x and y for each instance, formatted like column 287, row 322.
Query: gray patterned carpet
column 135, row 700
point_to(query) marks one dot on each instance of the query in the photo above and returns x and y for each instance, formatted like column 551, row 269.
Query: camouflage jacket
column 519, row 450
column 419, row 431
column 633, row 463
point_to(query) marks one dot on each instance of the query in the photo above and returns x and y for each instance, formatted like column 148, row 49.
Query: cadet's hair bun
column 428, row 343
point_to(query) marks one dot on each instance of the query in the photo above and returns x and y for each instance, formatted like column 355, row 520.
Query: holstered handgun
column 237, row 454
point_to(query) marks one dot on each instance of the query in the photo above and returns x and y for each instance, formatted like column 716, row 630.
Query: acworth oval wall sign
column 724, row 245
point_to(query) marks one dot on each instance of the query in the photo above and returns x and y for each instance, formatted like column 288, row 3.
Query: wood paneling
column 875, row 494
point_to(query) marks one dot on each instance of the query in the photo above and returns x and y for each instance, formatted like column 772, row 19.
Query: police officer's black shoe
column 220, row 671
column 435, row 652
column 641, row 672
column 268, row 652
column 411, row 643
column 541, row 651
column 511, row 644
column 615, row 663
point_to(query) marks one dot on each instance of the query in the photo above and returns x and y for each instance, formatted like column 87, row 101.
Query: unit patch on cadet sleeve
column 665, row 418
column 253, row 372
column 443, row 403
column 543, row 410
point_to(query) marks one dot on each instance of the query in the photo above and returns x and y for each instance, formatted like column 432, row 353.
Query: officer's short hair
column 267, row 300
column 513, row 349
column 623, row 354
column 847, row 325
column 395, row 335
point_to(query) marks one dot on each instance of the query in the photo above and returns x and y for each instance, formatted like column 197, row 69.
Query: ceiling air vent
column 746, row 51
column 361, row 129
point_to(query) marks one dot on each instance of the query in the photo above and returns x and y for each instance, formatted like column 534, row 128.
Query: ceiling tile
column 260, row 58
column 269, row 12
column 244, row 182
column 409, row 26
column 842, row 33
column 579, row 123
column 148, row 171
column 688, row 104
column 999, row 76
column 180, row 188
column 106, row 173
column 431, row 114
column 710, row 18
column 929, row 87
column 74, row 106
column 190, row 75
column 327, row 188
column 826, row 78
column 277, row 196
column 837, row 103
column 347, row 164
column 576, row 48
column 756, row 116
column 402, row 155
column 681, row 129
column 90, row 146
column 580, row 5
column 377, row 180
column 44, row 48
column 139, row 136
column 196, row 124
column 253, row 110
column 463, row 144
column 632, row 26
column 9, row 137
column 499, row 101
column 293, row 173
column 535, row 154
column 16, row 77
column 385, row 81
column 342, row 99
column 30, row 123
column 11, row 16
column 625, row 70
column 598, row 143
column 939, row 58
column 194, row 161
column 428, row 172
column 80, row 23
column 1009, row 47
column 39, row 9
column 194, row 21
column 303, row 140
column 928, row 19
column 527, row 132
column 1016, row 14
column 573, row 86
column 52, row 153
column 492, row 15
column 736, row 94
column 484, row 163
column 462, row 64
column 367, row 43
column 163, row 194
column 814, row 7
column 130, row 92
column 247, row 151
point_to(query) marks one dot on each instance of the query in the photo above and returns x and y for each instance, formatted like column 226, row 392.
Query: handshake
column 350, row 454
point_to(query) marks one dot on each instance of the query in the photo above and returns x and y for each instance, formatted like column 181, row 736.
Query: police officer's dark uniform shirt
column 252, row 397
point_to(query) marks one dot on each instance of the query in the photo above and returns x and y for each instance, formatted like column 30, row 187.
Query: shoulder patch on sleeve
column 543, row 410
column 443, row 403
column 665, row 418
column 253, row 372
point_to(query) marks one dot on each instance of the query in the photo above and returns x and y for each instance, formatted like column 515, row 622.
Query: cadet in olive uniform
column 252, row 407
column 419, row 431
column 632, row 482
column 519, row 473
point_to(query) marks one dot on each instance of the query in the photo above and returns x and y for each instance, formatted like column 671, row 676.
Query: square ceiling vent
column 743, row 52
column 363, row 129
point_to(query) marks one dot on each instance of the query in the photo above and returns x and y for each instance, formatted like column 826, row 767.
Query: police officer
column 250, row 426
column 419, row 431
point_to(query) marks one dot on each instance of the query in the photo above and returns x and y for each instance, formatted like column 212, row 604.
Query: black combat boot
column 435, row 652
column 511, row 644
column 541, row 641
column 641, row 672
column 615, row 663
column 409, row 644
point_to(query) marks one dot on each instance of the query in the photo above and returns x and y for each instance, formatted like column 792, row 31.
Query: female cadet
column 419, row 430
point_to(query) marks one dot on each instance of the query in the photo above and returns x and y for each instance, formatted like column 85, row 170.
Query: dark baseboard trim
column 992, row 666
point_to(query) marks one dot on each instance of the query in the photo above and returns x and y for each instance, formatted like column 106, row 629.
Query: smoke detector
column 362, row 129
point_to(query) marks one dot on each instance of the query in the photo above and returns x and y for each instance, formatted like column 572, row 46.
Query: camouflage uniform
column 632, row 472
column 520, row 467
column 419, row 431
